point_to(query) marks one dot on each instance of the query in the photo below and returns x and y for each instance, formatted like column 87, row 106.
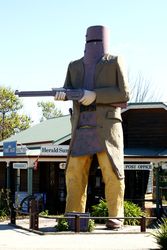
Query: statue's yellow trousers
column 77, row 174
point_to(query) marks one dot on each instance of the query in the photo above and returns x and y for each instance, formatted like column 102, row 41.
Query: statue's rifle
column 71, row 94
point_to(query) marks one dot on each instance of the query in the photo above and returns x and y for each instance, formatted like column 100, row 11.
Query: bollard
column 33, row 215
column 77, row 223
column 143, row 224
column 13, row 216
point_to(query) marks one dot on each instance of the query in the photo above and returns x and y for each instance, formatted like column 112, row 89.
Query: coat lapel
column 100, row 65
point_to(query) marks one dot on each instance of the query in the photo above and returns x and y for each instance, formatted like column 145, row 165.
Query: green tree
column 48, row 110
column 11, row 121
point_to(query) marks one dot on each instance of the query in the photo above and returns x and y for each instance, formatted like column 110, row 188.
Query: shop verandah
column 47, row 180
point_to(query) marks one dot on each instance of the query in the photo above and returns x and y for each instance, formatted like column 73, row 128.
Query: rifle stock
column 71, row 94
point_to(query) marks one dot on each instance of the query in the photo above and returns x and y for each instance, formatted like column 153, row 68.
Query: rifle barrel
column 35, row 93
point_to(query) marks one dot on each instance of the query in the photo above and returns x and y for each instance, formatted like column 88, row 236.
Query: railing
column 34, row 218
column 142, row 219
column 33, row 215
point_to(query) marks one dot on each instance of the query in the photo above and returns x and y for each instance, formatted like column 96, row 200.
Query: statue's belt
column 91, row 107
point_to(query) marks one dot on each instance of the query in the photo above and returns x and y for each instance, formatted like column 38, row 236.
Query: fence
column 34, row 218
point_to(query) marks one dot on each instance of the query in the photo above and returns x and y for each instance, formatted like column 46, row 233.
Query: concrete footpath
column 12, row 238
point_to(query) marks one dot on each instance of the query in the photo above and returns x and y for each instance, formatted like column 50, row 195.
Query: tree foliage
column 11, row 121
column 49, row 110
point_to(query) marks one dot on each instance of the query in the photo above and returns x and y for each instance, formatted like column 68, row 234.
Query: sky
column 39, row 38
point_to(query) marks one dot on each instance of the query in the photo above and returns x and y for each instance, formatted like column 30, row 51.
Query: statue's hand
column 61, row 96
column 88, row 97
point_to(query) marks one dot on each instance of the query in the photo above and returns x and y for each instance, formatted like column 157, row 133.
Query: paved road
column 12, row 238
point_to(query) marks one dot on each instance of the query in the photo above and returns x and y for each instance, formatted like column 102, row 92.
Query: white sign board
column 140, row 166
column 57, row 150
column 21, row 150
column 20, row 165
column 164, row 165
column 62, row 165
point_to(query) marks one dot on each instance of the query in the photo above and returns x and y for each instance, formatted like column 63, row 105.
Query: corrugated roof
column 58, row 130
column 145, row 105
column 55, row 130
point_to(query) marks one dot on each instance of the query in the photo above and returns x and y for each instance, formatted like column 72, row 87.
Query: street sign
column 58, row 150
column 141, row 166
column 9, row 148
column 20, row 165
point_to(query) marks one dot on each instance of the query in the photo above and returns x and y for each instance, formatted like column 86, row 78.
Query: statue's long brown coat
column 110, row 85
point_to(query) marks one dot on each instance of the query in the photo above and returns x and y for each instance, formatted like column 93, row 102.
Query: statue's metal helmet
column 97, row 43
column 97, row 33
